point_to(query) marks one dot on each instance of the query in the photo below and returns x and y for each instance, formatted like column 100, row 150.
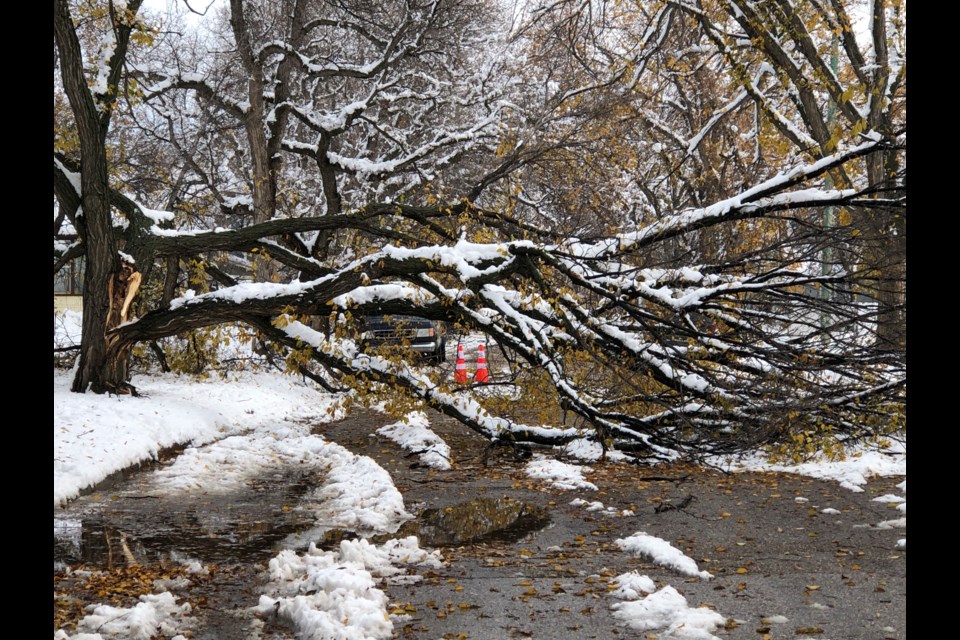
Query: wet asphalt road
column 832, row 577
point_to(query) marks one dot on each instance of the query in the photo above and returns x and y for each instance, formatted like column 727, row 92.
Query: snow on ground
column 356, row 493
column 413, row 434
column 666, row 609
column 334, row 594
column 559, row 474
column 96, row 435
column 155, row 614
column 852, row 472
column 591, row 451
column 596, row 505
column 661, row 552
column 897, row 523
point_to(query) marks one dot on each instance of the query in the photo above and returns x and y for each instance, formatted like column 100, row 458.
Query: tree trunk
column 263, row 185
column 887, row 244
column 98, row 370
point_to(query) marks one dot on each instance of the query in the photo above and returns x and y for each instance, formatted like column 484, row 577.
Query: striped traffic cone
column 460, row 368
column 482, row 375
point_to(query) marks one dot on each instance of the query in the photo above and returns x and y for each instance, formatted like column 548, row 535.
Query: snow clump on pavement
column 155, row 614
column 668, row 610
column 663, row 553
column 334, row 594
column 631, row 586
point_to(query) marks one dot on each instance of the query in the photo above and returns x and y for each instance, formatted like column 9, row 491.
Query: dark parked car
column 424, row 336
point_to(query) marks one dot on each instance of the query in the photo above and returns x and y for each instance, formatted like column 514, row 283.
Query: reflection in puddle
column 481, row 520
column 473, row 521
column 253, row 524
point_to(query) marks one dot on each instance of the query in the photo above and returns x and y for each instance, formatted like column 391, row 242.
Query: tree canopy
column 684, row 222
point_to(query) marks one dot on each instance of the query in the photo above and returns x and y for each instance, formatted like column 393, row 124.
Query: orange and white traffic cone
column 482, row 375
column 460, row 368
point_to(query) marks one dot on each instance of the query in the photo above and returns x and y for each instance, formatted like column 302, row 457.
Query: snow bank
column 662, row 552
column 334, row 594
column 559, row 474
column 96, row 435
column 413, row 434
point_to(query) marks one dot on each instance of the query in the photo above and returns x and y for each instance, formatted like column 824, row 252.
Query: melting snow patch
column 852, row 473
column 228, row 464
column 667, row 609
column 413, row 434
column 155, row 614
column 775, row 620
column 334, row 594
column 358, row 494
column 662, row 552
column 890, row 498
column 559, row 474
column 598, row 506
column 830, row 511
column 902, row 543
column 900, row 523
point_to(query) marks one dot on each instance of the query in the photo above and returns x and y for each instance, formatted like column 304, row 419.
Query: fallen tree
column 708, row 357
column 751, row 343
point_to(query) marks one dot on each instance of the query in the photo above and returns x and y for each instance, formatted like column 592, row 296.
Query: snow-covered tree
column 411, row 157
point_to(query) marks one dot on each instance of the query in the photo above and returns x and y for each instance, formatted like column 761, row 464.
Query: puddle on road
column 252, row 524
column 238, row 527
column 470, row 522
column 480, row 520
